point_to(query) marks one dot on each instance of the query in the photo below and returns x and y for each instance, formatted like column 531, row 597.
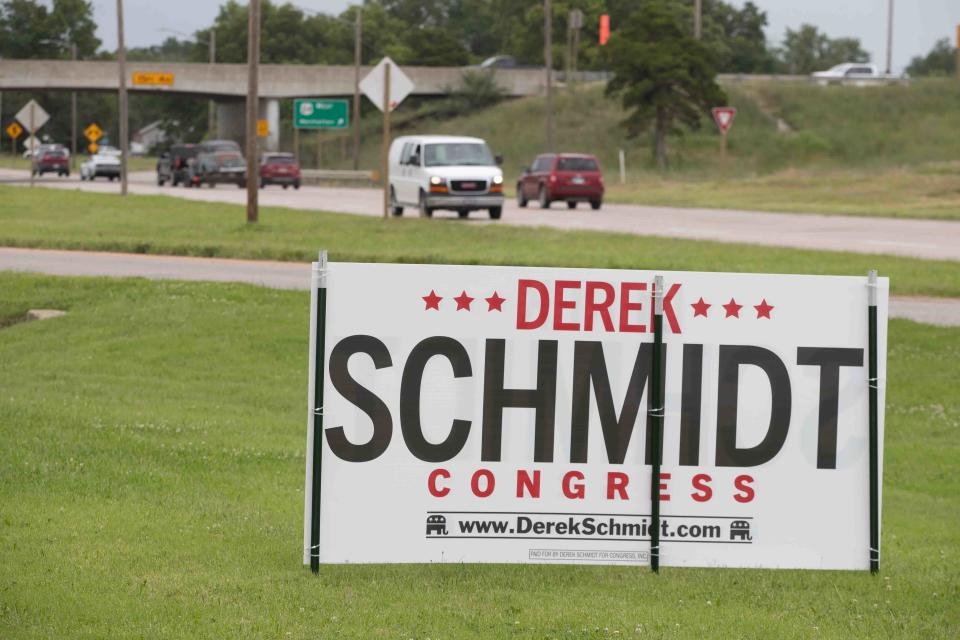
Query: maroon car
column 570, row 177
column 279, row 168
column 51, row 161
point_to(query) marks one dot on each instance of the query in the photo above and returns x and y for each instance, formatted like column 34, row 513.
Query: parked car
column 569, row 177
column 51, row 160
column 174, row 166
column 218, row 162
column 445, row 172
column 279, row 168
column 100, row 165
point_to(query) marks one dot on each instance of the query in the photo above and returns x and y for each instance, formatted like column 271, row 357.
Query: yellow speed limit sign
column 92, row 147
column 263, row 128
column 14, row 130
column 93, row 132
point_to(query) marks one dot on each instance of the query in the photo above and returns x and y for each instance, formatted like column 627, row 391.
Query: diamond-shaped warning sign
column 93, row 132
column 14, row 130
column 724, row 116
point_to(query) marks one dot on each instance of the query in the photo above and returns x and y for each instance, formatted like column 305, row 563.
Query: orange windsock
column 604, row 29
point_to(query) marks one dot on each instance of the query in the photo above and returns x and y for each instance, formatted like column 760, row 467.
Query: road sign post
column 33, row 117
column 724, row 116
column 386, row 86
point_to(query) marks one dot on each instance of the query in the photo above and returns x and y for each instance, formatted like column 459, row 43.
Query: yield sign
column 724, row 116
column 32, row 115
column 400, row 84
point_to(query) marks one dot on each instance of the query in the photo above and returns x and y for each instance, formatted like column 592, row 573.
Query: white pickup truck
column 855, row 73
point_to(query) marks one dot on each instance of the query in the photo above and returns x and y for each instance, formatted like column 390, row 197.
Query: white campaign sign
column 499, row 414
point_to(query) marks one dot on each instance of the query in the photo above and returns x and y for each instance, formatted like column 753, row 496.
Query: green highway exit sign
column 320, row 114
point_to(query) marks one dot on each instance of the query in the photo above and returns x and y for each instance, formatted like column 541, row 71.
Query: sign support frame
column 318, row 315
column 656, row 422
column 386, row 141
column 873, row 383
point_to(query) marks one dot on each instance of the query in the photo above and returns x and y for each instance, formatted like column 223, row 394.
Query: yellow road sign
column 93, row 132
column 14, row 130
column 263, row 128
column 92, row 147
column 152, row 78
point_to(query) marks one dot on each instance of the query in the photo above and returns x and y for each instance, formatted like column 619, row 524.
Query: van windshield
column 457, row 154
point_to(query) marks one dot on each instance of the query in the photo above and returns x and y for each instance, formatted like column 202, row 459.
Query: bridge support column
column 231, row 117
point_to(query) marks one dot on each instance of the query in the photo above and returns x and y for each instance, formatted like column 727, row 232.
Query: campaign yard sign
column 501, row 414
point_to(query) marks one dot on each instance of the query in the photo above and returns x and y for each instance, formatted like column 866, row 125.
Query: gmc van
column 444, row 172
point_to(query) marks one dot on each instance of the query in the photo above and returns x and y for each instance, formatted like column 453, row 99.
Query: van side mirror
column 414, row 160
column 498, row 158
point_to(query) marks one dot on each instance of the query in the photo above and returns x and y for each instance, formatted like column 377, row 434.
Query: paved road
column 294, row 275
column 928, row 239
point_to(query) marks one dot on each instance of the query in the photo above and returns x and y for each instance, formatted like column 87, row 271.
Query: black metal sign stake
column 656, row 423
column 319, row 369
column 873, row 383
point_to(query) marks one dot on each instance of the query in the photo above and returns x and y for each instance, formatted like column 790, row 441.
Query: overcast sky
column 917, row 23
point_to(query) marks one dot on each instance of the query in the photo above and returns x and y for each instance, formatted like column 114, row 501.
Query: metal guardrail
column 337, row 175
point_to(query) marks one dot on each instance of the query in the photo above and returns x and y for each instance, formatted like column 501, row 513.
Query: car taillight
column 553, row 177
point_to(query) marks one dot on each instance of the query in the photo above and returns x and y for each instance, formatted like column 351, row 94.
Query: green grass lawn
column 930, row 190
column 51, row 218
column 151, row 481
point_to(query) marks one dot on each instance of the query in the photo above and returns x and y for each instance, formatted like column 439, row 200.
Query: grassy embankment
column 887, row 151
column 49, row 218
column 151, row 478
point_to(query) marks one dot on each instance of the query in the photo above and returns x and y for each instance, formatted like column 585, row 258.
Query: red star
column 432, row 301
column 463, row 301
column 495, row 302
column 732, row 308
column 763, row 309
column 700, row 308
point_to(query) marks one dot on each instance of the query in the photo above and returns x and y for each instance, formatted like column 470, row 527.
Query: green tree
column 664, row 77
column 736, row 36
column 941, row 61
column 807, row 50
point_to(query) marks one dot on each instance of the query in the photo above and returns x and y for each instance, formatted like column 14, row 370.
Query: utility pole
column 357, row 39
column 889, row 35
column 73, row 116
column 253, row 99
column 124, row 124
column 697, row 18
column 548, row 60
column 211, row 105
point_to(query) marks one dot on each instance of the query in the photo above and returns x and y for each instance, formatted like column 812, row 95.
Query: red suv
column 51, row 161
column 279, row 168
column 571, row 177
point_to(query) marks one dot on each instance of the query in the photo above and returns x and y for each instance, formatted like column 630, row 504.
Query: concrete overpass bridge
column 226, row 84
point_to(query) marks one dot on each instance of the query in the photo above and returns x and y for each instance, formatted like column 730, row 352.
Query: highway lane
column 296, row 275
column 927, row 239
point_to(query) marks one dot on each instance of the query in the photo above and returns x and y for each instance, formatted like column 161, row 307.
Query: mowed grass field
column 51, row 218
column 151, row 481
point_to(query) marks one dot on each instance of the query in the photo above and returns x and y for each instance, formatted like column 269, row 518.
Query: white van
column 444, row 172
